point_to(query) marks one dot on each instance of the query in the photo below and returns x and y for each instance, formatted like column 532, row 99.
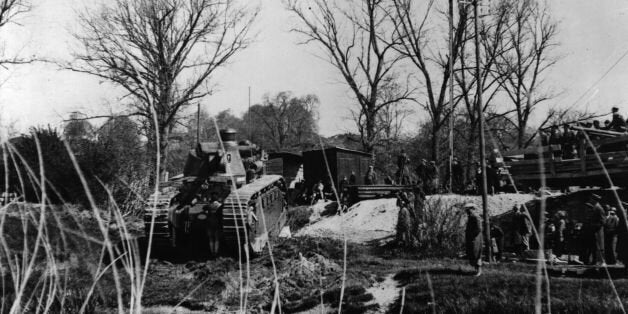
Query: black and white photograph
column 313, row 156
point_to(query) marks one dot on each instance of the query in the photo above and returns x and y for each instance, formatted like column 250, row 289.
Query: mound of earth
column 497, row 204
column 365, row 221
column 372, row 220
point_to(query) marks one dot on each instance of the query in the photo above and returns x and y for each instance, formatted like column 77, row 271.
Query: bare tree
column 531, row 36
column 355, row 36
column 425, row 50
column 162, row 52
column 9, row 11
column 286, row 121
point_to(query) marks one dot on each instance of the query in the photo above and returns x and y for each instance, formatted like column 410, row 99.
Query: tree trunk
column 370, row 133
column 521, row 136
column 435, row 145
column 468, row 174
column 163, row 151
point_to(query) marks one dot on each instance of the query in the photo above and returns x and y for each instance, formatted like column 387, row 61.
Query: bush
column 298, row 217
column 442, row 232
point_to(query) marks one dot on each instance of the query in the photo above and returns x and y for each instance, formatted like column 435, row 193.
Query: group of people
column 569, row 139
column 594, row 240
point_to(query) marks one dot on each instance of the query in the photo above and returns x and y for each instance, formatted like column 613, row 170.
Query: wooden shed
column 341, row 161
column 286, row 164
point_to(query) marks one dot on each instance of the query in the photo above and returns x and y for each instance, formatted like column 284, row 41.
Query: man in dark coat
column 352, row 178
column 569, row 142
column 618, row 124
column 402, row 161
column 371, row 177
column 596, row 225
column 473, row 238
column 611, row 224
column 522, row 228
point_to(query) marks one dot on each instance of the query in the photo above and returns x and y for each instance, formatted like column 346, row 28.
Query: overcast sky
column 593, row 35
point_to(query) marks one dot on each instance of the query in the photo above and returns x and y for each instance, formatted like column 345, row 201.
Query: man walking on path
column 473, row 238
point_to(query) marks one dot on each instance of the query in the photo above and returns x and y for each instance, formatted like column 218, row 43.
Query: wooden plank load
column 529, row 166
column 368, row 192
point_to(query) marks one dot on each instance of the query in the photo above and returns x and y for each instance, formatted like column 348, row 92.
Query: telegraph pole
column 451, row 95
column 198, row 122
column 478, row 80
column 249, row 113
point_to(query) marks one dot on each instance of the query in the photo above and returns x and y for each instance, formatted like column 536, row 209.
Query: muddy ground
column 308, row 271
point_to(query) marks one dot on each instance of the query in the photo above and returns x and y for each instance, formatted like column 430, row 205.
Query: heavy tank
column 253, row 207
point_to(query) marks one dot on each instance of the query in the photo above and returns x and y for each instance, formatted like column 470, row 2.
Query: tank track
column 236, row 213
column 159, row 207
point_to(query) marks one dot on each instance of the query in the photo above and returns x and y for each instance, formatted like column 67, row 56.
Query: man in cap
column 611, row 225
column 473, row 238
column 618, row 124
column 596, row 228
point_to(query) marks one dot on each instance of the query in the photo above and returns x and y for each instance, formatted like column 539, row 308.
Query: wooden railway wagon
column 285, row 164
column 527, row 167
column 342, row 162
